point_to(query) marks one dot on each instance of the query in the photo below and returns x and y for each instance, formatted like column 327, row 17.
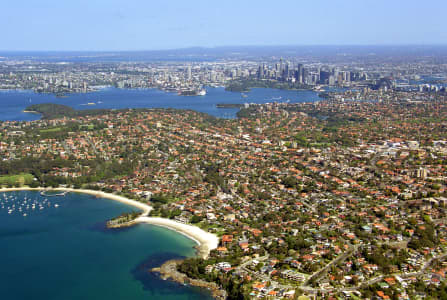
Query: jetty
column 44, row 193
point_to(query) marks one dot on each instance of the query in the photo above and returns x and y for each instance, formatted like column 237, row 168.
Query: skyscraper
column 300, row 77
column 189, row 73
column 261, row 71
column 286, row 72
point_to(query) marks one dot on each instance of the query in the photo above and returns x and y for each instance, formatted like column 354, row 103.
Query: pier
column 43, row 193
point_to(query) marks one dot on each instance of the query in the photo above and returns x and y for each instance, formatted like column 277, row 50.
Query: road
column 336, row 260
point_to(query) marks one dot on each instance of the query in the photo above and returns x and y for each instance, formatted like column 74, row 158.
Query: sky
column 95, row 25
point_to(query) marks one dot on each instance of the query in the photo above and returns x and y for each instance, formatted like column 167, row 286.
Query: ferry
column 192, row 92
column 274, row 98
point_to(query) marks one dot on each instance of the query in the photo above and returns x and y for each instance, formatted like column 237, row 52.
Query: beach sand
column 207, row 241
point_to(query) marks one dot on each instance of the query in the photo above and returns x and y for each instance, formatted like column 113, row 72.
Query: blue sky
column 167, row 24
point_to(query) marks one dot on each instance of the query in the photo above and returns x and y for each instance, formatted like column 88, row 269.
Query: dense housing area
column 339, row 198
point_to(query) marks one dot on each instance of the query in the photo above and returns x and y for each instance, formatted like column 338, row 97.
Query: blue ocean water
column 64, row 251
column 13, row 102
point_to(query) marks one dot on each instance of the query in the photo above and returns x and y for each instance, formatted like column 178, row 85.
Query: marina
column 13, row 204
column 52, row 194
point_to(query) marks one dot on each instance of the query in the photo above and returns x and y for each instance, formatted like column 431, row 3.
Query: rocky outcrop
column 169, row 271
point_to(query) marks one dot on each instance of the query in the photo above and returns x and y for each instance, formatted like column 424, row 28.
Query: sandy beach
column 144, row 207
column 206, row 241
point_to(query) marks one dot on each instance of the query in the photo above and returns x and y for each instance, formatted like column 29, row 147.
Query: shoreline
column 205, row 241
column 144, row 207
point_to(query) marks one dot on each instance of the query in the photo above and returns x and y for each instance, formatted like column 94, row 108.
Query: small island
column 229, row 105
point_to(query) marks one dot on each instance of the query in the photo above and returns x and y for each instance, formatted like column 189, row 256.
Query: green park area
column 16, row 180
column 53, row 129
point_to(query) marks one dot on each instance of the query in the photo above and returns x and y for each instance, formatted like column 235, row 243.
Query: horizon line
column 238, row 46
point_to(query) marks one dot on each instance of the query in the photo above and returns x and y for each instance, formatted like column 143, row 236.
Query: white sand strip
column 207, row 241
column 144, row 207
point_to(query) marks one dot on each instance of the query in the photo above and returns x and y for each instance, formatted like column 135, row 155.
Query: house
column 292, row 275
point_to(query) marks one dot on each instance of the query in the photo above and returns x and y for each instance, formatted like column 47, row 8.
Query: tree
column 196, row 219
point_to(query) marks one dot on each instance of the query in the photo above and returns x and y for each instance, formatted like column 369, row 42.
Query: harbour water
column 13, row 102
column 64, row 251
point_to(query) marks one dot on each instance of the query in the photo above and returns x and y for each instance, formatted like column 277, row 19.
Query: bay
column 13, row 102
column 64, row 251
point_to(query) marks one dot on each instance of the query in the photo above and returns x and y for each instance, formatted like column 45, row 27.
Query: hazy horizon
column 322, row 52
column 433, row 45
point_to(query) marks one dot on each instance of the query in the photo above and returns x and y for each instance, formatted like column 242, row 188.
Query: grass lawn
column 20, row 179
column 54, row 129
column 86, row 127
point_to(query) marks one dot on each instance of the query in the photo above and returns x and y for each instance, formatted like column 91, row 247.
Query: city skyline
column 137, row 25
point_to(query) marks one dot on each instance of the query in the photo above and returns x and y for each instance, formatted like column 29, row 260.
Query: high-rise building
column 300, row 77
column 189, row 73
column 261, row 71
column 286, row 72
column 347, row 76
column 324, row 76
